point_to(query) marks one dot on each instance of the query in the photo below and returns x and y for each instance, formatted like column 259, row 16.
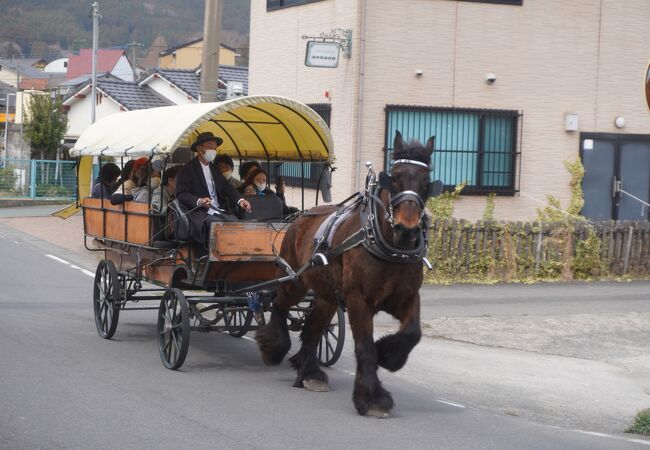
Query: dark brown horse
column 375, row 264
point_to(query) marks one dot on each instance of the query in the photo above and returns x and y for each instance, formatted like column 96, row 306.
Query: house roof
column 82, row 63
column 128, row 94
column 189, row 81
column 189, row 43
column 23, row 67
column 131, row 95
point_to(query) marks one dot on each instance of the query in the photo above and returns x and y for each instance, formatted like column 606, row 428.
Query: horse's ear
column 431, row 144
column 434, row 189
column 398, row 143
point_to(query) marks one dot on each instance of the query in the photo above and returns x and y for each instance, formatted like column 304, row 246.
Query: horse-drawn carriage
column 365, row 254
column 149, row 257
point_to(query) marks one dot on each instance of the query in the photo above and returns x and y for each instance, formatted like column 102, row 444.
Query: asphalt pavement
column 62, row 386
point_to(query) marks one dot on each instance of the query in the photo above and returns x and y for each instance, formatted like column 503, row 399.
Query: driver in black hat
column 204, row 191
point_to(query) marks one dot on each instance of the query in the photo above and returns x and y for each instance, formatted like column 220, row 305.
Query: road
column 61, row 386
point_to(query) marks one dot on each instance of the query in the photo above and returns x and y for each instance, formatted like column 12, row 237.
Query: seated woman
column 105, row 185
column 255, row 184
column 141, row 192
column 256, row 180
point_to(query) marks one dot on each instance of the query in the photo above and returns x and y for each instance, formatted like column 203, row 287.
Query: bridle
column 403, row 196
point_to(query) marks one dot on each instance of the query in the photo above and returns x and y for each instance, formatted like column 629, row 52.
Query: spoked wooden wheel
column 173, row 328
column 240, row 318
column 106, row 294
column 332, row 340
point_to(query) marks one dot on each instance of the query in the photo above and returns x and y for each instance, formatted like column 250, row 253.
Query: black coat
column 191, row 186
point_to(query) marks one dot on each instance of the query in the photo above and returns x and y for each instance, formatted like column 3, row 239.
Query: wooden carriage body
column 239, row 252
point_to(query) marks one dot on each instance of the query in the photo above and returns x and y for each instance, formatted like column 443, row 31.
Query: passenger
column 225, row 164
column 105, row 183
column 204, row 191
column 257, row 179
column 125, row 178
column 142, row 190
column 164, row 194
column 247, row 189
column 156, row 170
column 246, row 168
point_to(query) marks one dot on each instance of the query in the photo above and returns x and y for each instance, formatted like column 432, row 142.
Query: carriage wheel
column 238, row 317
column 332, row 340
column 173, row 328
column 106, row 295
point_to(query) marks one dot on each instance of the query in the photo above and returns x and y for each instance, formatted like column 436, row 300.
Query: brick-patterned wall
column 550, row 58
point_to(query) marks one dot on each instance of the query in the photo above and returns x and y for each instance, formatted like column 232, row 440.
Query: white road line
column 72, row 266
column 457, row 405
column 611, row 436
column 55, row 258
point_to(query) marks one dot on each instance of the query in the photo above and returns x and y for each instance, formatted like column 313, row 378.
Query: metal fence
column 33, row 178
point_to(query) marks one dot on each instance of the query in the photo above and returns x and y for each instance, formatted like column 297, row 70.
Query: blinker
column 385, row 182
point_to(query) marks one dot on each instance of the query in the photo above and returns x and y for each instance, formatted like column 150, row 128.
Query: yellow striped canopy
column 255, row 127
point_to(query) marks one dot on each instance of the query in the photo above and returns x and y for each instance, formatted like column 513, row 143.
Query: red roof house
column 114, row 62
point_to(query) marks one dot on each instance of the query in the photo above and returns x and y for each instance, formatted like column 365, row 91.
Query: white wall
column 57, row 66
column 123, row 69
column 8, row 76
column 79, row 114
column 168, row 91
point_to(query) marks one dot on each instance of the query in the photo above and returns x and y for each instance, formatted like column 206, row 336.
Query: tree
column 45, row 125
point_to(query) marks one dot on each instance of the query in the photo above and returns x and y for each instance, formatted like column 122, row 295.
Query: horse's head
column 408, row 187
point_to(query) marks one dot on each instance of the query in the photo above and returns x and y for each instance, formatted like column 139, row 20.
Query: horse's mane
column 413, row 150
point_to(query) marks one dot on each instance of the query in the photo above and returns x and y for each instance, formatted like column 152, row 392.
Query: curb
column 12, row 203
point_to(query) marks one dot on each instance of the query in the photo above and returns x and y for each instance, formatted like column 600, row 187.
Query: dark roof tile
column 131, row 95
column 190, row 82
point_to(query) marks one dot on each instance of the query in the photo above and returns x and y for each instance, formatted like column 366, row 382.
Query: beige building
column 188, row 56
column 510, row 88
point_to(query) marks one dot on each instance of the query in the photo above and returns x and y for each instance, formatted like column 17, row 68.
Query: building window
column 475, row 147
column 501, row 2
column 279, row 4
column 293, row 171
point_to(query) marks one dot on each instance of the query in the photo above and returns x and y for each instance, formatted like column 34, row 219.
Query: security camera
column 490, row 78
column 419, row 72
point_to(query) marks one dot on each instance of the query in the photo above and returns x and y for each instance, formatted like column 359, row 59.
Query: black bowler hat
column 206, row 137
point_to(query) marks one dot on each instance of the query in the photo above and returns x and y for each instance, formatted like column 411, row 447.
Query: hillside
column 46, row 28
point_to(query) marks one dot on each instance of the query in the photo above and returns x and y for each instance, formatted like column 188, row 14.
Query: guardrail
column 37, row 179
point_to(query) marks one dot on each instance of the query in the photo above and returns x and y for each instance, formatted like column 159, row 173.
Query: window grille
column 476, row 147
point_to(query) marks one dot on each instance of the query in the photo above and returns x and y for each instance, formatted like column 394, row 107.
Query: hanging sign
column 322, row 54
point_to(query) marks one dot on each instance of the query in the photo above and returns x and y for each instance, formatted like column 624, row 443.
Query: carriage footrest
column 140, row 308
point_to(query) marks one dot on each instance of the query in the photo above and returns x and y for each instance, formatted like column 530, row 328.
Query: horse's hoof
column 378, row 413
column 315, row 385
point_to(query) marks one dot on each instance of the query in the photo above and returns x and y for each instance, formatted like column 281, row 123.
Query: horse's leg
column 394, row 349
column 273, row 338
column 369, row 397
column 310, row 376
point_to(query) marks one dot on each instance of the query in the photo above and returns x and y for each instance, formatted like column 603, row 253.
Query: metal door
column 617, row 176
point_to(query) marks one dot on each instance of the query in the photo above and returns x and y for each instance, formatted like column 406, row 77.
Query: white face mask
column 227, row 175
column 210, row 155
column 260, row 186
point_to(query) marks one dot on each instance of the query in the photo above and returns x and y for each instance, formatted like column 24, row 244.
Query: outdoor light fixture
column 619, row 122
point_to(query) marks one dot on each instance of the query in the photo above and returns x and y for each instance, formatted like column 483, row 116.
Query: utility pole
column 134, row 46
column 94, row 12
column 211, row 45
